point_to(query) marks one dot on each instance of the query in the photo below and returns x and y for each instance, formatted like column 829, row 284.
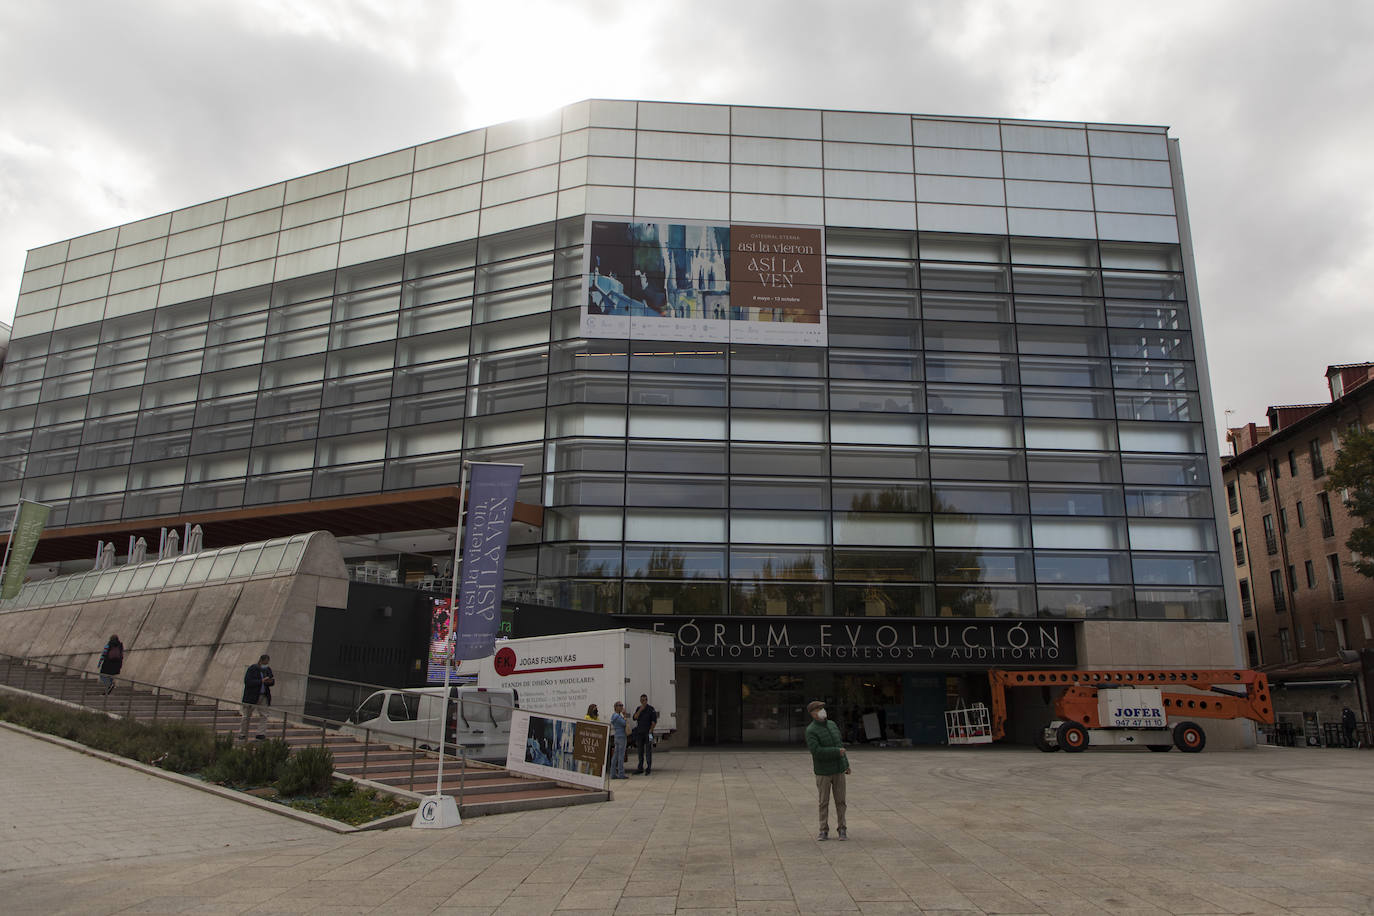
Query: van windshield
column 371, row 708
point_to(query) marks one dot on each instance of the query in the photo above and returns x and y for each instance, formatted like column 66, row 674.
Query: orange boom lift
column 1133, row 706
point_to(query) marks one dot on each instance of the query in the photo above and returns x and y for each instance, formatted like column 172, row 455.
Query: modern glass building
column 805, row 387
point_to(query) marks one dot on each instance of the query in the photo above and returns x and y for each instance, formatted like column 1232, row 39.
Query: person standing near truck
column 646, row 717
column 618, row 734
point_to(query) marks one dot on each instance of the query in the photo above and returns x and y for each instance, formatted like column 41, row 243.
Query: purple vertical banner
column 490, row 506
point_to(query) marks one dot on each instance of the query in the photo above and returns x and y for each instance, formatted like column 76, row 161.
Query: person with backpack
column 111, row 661
column 257, row 691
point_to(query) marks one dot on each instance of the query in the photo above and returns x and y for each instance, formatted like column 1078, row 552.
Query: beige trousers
column 825, row 785
column 247, row 710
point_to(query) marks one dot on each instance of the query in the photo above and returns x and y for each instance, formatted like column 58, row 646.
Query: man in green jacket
column 831, row 766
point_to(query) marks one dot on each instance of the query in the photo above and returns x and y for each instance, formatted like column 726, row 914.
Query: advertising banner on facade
column 490, row 508
column 709, row 282
column 558, row 747
column 440, row 629
column 29, row 521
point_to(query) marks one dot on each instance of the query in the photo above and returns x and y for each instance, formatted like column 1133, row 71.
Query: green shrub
column 309, row 772
column 258, row 763
column 354, row 806
column 170, row 745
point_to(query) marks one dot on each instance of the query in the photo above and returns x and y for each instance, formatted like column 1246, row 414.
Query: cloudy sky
column 112, row 110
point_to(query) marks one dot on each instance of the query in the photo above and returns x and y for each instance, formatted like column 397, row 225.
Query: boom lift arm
column 1247, row 698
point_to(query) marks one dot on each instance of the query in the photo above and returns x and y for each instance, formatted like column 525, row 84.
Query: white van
column 478, row 719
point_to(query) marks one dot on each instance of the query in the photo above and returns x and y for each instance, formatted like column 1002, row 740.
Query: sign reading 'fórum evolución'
column 889, row 642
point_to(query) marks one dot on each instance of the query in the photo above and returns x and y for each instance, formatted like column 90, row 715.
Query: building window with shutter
column 1333, row 569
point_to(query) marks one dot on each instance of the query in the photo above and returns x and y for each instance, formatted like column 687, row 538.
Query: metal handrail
column 156, row 691
column 188, row 698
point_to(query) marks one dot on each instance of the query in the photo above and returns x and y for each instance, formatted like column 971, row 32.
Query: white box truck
column 560, row 674
column 565, row 674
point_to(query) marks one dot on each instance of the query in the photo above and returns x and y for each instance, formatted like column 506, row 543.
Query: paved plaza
column 974, row 830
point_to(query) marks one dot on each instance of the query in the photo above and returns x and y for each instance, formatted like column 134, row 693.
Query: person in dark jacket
column 645, row 718
column 111, row 662
column 1348, row 723
column 830, row 763
column 257, row 692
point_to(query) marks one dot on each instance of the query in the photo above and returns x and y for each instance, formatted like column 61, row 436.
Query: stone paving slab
column 967, row 831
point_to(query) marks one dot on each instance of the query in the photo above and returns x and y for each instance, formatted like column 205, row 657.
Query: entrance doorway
column 715, row 710
column 769, row 707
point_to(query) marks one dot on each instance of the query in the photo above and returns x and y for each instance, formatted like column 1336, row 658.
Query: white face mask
column 820, row 715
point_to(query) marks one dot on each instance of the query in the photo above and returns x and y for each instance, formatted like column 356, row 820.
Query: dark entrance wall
column 382, row 637
column 379, row 638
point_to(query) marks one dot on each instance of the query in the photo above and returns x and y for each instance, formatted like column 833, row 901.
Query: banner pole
column 452, row 621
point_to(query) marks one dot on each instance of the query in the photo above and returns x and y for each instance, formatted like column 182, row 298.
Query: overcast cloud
column 112, row 111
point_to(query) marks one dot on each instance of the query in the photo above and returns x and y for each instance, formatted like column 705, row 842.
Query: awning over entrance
column 435, row 507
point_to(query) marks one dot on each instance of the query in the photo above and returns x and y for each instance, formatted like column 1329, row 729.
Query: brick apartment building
column 1308, row 615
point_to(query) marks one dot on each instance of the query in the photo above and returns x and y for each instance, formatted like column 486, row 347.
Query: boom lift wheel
column 1072, row 737
column 1189, row 737
column 1160, row 747
column 1042, row 744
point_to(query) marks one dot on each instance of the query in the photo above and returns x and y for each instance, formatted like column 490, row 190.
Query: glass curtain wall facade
column 1006, row 420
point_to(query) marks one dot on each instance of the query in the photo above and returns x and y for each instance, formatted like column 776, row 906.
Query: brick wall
column 1309, row 608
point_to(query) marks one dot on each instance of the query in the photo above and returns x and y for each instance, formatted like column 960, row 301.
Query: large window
column 1328, row 523
column 1333, row 570
column 1276, row 589
column 1285, row 644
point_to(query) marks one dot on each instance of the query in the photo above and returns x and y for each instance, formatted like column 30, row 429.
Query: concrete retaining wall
column 196, row 638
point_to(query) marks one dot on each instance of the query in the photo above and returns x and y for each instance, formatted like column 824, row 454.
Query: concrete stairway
column 479, row 788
